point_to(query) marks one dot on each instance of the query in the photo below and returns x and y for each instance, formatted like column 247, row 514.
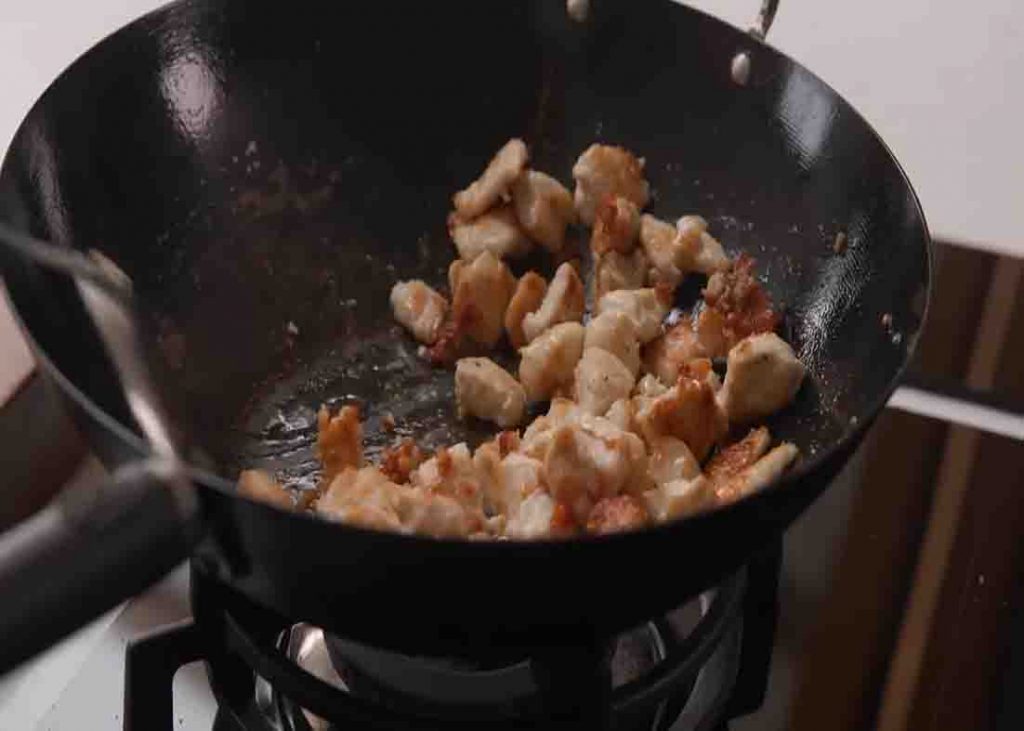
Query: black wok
column 265, row 168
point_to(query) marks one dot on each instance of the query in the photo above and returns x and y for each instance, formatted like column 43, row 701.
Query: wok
column 265, row 171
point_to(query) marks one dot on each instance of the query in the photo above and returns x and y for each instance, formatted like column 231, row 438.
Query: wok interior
column 264, row 201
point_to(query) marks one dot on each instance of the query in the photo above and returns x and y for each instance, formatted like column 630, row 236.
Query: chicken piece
column 671, row 459
column 495, row 181
column 616, row 333
column 540, row 516
column 731, row 460
column 397, row 462
column 661, row 245
column 419, row 309
column 650, row 386
column 434, row 514
column 643, row 306
column 548, row 362
column 614, row 271
column 544, row 208
column 603, row 171
column 699, row 251
column 601, row 379
column 616, row 226
column 563, row 302
column 363, row 497
column 537, row 437
column 687, row 411
column 620, row 414
column 667, row 356
column 528, row 295
column 487, row 391
column 481, row 290
column 678, row 498
column 516, row 477
column 762, row 376
column 756, row 476
column 593, row 459
column 259, row 485
column 739, row 298
column 452, row 472
column 339, row 441
column 617, row 514
column 496, row 231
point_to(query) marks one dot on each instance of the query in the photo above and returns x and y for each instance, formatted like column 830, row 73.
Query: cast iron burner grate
column 694, row 668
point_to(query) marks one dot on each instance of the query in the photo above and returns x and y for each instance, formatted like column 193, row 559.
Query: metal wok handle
column 765, row 17
column 93, row 547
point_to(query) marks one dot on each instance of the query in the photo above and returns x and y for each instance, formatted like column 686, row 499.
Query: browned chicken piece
column 734, row 458
column 495, row 181
column 603, row 171
column 679, row 498
column 616, row 226
column 699, row 251
column 687, row 411
column 339, row 441
column 616, row 333
column 762, row 376
column 487, row 391
column 259, row 485
column 434, row 514
column 397, row 462
column 756, row 476
column 481, row 292
column 667, row 356
column 540, row 516
column 544, row 208
column 601, row 379
column 661, row 245
column 614, row 271
column 547, row 363
column 564, row 301
column 363, row 497
column 452, row 472
column 419, row 309
column 671, row 459
column 496, row 231
column 507, row 480
column 617, row 514
column 588, row 458
column 645, row 307
column 528, row 295
column 537, row 436
column 741, row 301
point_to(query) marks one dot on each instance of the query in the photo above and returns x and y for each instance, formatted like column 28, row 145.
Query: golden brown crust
column 527, row 297
column 339, row 441
column 398, row 461
column 745, row 307
column 616, row 514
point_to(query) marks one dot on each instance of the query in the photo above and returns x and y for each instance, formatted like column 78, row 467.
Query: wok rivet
column 741, row 68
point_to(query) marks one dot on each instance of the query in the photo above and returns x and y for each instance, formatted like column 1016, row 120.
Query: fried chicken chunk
column 564, row 301
column 259, row 485
column 528, row 295
column 741, row 301
column 617, row 514
column 544, row 208
column 678, row 498
column 496, row 231
column 757, row 476
column 481, row 292
column 687, row 411
column 616, row 226
column 684, row 342
column 601, row 379
column 643, row 306
column 419, row 309
column 540, row 516
column 613, row 271
column 339, row 440
column 603, row 171
column 547, row 363
column 699, row 251
column 495, row 181
column 363, row 497
column 762, row 376
column 487, row 391
column 660, row 244
column 615, row 332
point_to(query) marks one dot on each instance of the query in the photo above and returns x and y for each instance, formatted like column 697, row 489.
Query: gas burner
column 677, row 672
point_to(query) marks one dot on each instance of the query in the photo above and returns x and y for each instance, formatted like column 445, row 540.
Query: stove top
column 693, row 668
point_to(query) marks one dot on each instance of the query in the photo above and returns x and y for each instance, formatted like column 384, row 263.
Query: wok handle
column 87, row 551
column 765, row 16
